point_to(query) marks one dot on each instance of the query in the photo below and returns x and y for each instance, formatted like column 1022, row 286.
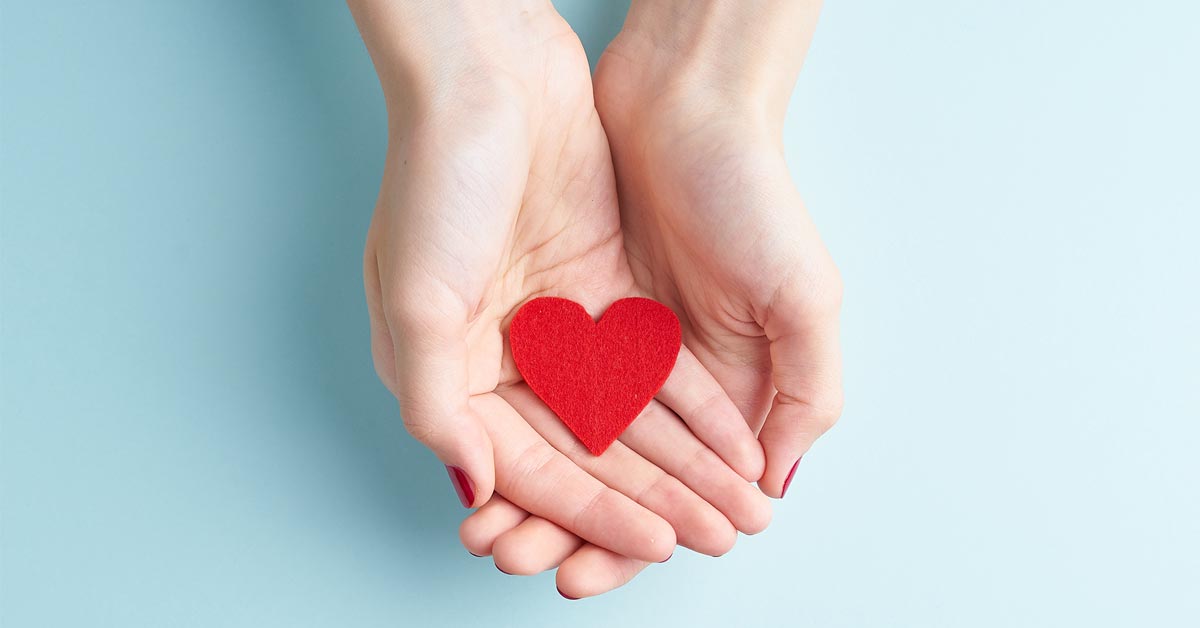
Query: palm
column 477, row 215
column 564, row 238
column 715, row 228
column 535, row 212
column 720, row 268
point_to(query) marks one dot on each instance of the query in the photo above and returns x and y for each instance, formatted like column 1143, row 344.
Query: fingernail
column 565, row 595
column 474, row 554
column 462, row 485
column 501, row 570
column 788, row 481
column 666, row 559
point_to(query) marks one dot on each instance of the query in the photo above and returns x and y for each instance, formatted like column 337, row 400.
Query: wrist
column 456, row 55
column 741, row 56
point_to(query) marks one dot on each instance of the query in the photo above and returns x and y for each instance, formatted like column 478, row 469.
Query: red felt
column 597, row 377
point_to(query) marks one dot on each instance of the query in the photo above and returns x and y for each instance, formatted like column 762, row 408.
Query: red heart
column 597, row 377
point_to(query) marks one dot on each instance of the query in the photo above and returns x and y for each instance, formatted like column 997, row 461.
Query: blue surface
column 192, row 433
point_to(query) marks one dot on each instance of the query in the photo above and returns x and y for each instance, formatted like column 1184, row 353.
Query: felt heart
column 597, row 377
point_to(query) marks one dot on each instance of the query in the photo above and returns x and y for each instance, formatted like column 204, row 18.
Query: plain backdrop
column 192, row 433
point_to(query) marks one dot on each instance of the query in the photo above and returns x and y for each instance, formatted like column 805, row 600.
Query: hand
column 694, row 122
column 693, row 96
column 498, row 188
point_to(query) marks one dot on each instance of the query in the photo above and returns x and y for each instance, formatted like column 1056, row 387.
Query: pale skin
column 509, row 176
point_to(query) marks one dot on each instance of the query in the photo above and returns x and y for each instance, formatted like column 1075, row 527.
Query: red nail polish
column 462, row 485
column 788, row 481
column 565, row 595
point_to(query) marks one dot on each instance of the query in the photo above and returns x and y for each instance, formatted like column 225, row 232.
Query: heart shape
column 596, row 376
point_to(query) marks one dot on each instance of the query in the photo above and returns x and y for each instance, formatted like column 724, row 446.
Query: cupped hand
column 693, row 103
column 498, row 188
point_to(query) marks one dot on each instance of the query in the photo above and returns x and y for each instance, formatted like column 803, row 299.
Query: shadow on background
column 406, row 500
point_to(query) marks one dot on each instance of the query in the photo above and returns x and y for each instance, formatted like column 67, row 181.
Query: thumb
column 427, row 371
column 806, row 368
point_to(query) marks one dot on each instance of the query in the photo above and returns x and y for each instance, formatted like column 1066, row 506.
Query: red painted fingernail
column 462, row 485
column 788, row 481
column 565, row 595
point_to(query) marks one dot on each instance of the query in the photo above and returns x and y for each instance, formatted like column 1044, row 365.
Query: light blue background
column 192, row 433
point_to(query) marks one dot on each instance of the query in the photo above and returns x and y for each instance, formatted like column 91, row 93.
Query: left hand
column 713, row 224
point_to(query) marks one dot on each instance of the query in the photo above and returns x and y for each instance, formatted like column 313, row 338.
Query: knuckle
column 826, row 422
column 664, row 490
column 701, row 462
column 828, row 409
column 822, row 419
column 719, row 414
column 595, row 503
column 817, row 412
column 418, row 427
column 618, row 571
column 535, row 461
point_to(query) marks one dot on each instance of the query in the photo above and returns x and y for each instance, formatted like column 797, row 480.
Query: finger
column 806, row 368
column 427, row 336
column 539, row 479
column 698, row 525
column 533, row 547
column 480, row 530
column 594, row 570
column 694, row 395
column 663, row 439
